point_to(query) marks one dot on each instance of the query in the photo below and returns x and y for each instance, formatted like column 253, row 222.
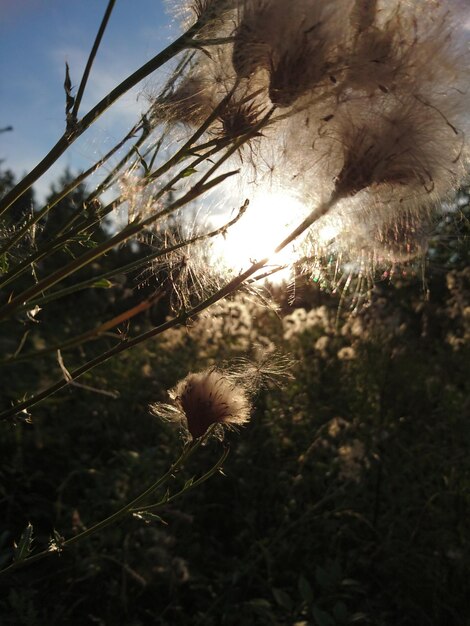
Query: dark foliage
column 346, row 499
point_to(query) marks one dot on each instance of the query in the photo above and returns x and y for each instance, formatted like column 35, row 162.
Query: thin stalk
column 105, row 183
column 96, row 219
column 130, row 231
column 237, row 145
column 180, row 174
column 122, row 512
column 195, row 136
column 202, row 479
column 95, row 333
column 67, row 139
column 218, row 145
column 65, row 192
column 91, row 58
column 120, row 199
column 89, row 335
column 109, row 179
column 229, row 288
column 59, row 243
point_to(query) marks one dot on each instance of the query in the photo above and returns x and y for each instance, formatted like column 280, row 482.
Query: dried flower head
column 363, row 15
column 210, row 14
column 191, row 102
column 311, row 59
column 239, row 117
column 207, row 398
column 183, row 268
column 360, row 113
column 296, row 44
column 221, row 396
column 406, row 148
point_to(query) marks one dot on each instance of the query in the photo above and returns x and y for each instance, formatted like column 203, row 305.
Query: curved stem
column 229, row 288
column 122, row 512
column 129, row 231
column 202, row 479
column 91, row 58
column 183, row 42
column 103, row 328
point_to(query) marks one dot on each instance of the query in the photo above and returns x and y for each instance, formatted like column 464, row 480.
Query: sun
column 269, row 218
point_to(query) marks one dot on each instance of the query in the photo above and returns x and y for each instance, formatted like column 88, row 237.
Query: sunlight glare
column 270, row 217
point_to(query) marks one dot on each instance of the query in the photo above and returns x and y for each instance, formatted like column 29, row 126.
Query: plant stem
column 183, row 42
column 91, row 58
column 129, row 231
column 122, row 512
column 95, row 333
column 229, row 288
column 65, row 192
column 202, row 479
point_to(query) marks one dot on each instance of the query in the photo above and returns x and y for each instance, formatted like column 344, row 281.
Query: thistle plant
column 334, row 104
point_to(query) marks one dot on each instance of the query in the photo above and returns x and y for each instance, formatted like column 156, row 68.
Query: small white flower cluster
column 368, row 101
column 301, row 320
column 458, row 308
column 338, row 443
column 352, row 460
column 230, row 325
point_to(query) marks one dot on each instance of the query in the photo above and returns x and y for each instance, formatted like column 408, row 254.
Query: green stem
column 202, row 479
column 129, row 231
column 91, row 58
column 122, row 512
column 229, row 288
column 60, row 196
column 183, row 42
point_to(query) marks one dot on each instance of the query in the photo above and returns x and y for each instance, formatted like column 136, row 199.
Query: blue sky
column 37, row 37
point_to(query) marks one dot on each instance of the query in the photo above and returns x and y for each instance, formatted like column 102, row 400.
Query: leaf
column 143, row 162
column 166, row 497
column 103, row 283
column 56, row 542
column 148, row 517
column 322, row 577
column 261, row 606
column 86, row 242
column 69, row 99
column 340, row 611
column 68, row 377
column 189, row 171
column 3, row 264
column 282, row 598
column 322, row 618
column 358, row 617
column 188, row 483
column 23, row 549
column 305, row 590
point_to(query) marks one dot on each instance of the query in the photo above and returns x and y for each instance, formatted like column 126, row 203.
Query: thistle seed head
column 211, row 397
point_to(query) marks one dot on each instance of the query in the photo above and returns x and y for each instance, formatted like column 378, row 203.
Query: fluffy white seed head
column 370, row 96
column 405, row 146
column 211, row 397
column 297, row 44
column 222, row 395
